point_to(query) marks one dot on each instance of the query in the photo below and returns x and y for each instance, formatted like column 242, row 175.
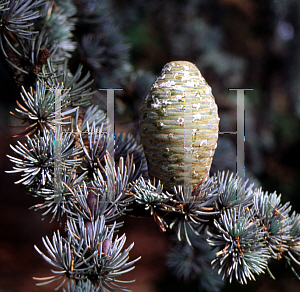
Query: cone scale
column 179, row 107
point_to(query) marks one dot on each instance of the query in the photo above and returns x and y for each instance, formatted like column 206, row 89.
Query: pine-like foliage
column 223, row 223
column 88, row 253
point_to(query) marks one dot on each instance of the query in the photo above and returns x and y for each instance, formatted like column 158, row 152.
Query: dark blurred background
column 235, row 44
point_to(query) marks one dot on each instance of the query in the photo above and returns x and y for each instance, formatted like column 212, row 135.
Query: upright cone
column 179, row 126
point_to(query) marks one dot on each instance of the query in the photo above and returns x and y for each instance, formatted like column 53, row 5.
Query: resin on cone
column 179, row 109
